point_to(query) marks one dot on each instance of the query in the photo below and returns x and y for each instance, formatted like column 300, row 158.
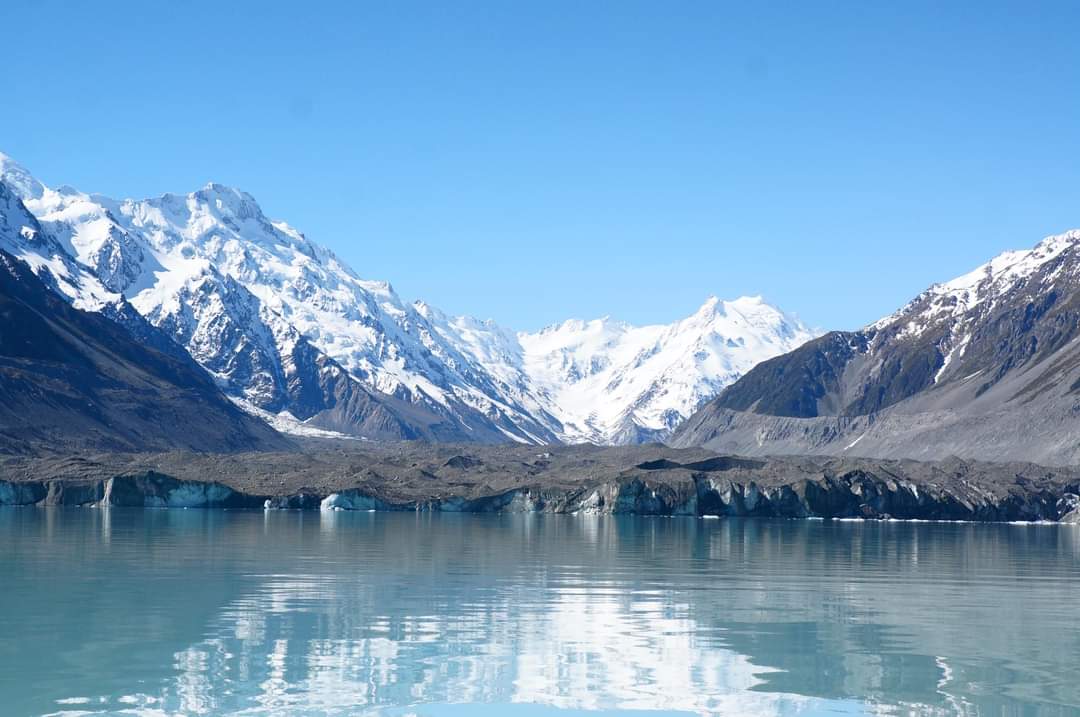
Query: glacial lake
column 192, row 612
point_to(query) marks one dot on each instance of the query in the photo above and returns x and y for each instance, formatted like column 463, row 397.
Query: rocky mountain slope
column 297, row 336
column 73, row 380
column 985, row 366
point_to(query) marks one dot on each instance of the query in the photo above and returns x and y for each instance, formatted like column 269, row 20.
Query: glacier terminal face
column 644, row 480
column 288, row 328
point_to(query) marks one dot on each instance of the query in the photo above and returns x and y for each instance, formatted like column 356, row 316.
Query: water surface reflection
column 205, row 612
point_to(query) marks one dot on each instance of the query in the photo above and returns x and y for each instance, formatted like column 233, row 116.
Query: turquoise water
column 174, row 612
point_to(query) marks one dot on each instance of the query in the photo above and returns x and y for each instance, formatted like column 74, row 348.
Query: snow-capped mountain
column 610, row 382
column 287, row 328
column 985, row 366
column 211, row 271
column 957, row 306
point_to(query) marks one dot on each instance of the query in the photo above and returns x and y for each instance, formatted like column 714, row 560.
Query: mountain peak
column 711, row 305
column 22, row 183
column 227, row 197
column 576, row 326
column 715, row 305
column 755, row 300
column 744, row 307
column 217, row 188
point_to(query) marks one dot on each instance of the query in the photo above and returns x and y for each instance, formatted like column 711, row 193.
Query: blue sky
column 531, row 162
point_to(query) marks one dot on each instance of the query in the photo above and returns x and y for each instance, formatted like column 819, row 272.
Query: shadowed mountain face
column 71, row 379
column 985, row 366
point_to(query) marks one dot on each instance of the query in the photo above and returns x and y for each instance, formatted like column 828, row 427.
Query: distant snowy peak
column 747, row 316
column 609, row 381
column 747, row 324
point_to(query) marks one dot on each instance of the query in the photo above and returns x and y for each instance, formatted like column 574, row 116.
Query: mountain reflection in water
column 208, row 612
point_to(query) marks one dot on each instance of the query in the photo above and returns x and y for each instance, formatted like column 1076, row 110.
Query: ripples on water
column 217, row 613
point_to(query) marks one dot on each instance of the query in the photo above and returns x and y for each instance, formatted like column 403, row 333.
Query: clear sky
column 531, row 162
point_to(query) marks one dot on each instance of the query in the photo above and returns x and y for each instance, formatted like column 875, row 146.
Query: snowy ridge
column 612, row 382
column 952, row 309
column 246, row 295
column 995, row 278
column 22, row 236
